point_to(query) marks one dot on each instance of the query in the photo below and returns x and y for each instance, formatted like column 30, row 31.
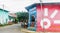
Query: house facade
column 32, row 16
column 4, row 16
column 47, row 17
column 12, row 17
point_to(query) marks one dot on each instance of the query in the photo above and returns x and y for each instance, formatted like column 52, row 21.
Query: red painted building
column 47, row 16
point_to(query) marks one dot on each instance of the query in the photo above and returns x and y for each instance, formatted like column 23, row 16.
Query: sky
column 19, row 5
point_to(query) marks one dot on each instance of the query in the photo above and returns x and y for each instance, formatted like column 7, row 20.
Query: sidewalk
column 28, row 31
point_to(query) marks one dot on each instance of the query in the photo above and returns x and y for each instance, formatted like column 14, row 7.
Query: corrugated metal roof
column 34, row 5
column 31, row 6
column 4, row 10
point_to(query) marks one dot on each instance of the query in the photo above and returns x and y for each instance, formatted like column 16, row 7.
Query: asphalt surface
column 11, row 29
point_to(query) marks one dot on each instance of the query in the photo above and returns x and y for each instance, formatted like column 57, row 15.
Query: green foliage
column 5, row 24
column 16, row 20
column 22, row 15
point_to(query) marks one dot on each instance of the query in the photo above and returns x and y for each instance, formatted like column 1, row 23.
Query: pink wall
column 49, row 18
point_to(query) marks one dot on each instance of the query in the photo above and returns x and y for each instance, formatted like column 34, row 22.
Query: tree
column 22, row 16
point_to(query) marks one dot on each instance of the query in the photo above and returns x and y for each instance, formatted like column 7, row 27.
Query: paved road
column 11, row 29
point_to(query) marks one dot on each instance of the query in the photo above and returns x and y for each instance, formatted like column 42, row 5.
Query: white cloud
column 19, row 5
column 50, row 1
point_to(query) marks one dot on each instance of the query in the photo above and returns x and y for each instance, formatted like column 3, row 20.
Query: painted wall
column 3, row 16
column 48, row 18
column 32, row 11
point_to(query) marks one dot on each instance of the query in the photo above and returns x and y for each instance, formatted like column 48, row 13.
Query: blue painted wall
column 4, row 16
column 32, row 11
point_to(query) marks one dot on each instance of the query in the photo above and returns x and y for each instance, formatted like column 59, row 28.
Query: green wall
column 3, row 16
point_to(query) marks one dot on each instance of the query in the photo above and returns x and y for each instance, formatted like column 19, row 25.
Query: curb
column 28, row 31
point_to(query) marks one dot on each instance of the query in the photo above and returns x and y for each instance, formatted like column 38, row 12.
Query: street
column 11, row 29
column 15, row 28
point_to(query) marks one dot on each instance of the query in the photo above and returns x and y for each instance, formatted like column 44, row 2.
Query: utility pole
column 41, row 5
column 3, row 13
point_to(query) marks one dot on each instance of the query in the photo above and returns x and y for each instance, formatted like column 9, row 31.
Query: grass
column 2, row 25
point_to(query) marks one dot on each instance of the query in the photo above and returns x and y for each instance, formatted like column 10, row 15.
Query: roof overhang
column 34, row 5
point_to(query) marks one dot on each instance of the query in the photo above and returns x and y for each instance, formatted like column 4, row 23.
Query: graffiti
column 48, row 19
